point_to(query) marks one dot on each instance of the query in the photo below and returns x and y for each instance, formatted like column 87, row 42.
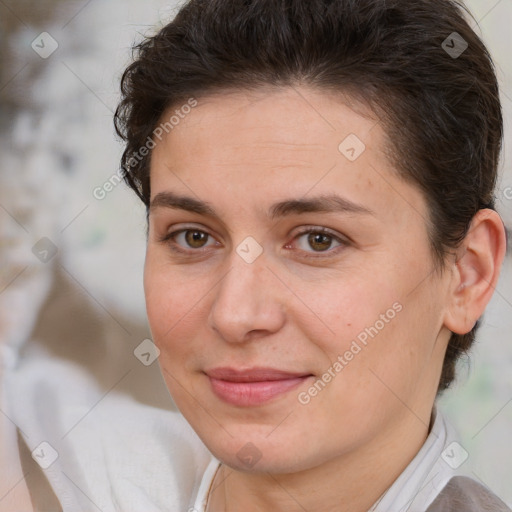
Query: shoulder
column 463, row 493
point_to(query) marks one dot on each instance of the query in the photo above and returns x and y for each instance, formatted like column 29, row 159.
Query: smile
column 252, row 387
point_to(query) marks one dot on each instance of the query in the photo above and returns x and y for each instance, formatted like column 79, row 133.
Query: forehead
column 303, row 117
column 246, row 147
column 269, row 128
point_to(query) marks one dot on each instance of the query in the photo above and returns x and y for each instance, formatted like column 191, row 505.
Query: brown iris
column 319, row 241
column 196, row 238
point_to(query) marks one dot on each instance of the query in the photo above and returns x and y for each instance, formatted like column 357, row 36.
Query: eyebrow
column 331, row 203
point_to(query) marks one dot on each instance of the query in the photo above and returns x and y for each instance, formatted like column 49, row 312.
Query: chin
column 251, row 452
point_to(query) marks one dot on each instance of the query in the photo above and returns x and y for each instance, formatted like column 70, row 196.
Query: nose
column 249, row 302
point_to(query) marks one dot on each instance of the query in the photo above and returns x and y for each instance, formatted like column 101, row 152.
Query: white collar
column 425, row 476
column 204, row 487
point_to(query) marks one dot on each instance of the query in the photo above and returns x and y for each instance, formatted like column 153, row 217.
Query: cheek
column 170, row 303
column 348, row 308
column 172, row 307
column 391, row 353
column 380, row 322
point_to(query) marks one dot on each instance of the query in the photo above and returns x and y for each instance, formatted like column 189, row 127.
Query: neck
column 351, row 482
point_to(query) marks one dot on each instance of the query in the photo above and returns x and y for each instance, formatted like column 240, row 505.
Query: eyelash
column 169, row 239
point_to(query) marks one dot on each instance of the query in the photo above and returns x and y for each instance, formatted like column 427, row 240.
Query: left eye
column 318, row 240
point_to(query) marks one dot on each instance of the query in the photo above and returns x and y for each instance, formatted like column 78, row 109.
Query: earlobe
column 476, row 271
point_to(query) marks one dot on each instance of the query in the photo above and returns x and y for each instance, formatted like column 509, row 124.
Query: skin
column 207, row 307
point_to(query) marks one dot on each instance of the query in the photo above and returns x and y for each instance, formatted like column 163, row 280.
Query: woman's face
column 297, row 310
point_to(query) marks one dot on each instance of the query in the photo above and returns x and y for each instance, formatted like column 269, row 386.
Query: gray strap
column 462, row 494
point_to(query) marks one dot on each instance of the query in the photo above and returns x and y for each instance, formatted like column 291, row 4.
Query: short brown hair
column 416, row 63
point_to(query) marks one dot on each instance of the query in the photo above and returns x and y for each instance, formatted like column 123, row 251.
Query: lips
column 252, row 386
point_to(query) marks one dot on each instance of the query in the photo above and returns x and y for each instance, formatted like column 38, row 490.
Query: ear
column 476, row 271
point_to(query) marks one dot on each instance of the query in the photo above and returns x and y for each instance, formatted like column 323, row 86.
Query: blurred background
column 72, row 239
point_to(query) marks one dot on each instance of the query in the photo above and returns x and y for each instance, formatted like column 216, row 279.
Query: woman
column 322, row 242
column 319, row 182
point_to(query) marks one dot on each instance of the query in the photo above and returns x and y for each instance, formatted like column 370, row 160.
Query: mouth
column 254, row 386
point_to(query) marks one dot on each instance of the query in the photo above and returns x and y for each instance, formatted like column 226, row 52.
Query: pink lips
column 253, row 386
